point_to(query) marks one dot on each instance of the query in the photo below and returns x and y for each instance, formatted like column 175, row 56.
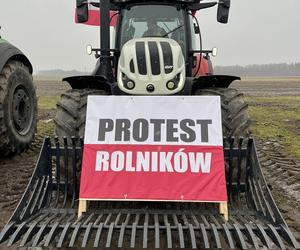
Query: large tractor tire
column 235, row 117
column 18, row 108
column 71, row 112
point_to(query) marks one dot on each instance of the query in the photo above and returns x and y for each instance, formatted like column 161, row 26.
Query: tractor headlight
column 127, row 83
column 173, row 84
column 130, row 85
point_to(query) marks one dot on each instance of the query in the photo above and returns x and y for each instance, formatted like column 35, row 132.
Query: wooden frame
column 223, row 208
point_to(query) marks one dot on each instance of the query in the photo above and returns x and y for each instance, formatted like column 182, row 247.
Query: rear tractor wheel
column 235, row 117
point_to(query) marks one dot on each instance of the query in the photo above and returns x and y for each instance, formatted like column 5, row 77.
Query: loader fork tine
column 87, row 235
column 63, row 235
column 251, row 235
column 275, row 236
column 181, row 236
column 110, row 235
column 156, row 226
column 204, row 236
column 239, row 169
column 74, row 179
column 57, row 151
column 49, row 174
column 228, row 236
column 193, row 238
column 248, row 166
column 121, row 235
column 289, row 237
column 216, row 236
column 74, row 234
column 66, row 165
column 231, row 141
column 145, row 231
column 239, row 236
column 133, row 231
column 168, row 231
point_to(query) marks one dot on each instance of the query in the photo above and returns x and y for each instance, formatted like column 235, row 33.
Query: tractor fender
column 213, row 81
column 10, row 52
column 89, row 81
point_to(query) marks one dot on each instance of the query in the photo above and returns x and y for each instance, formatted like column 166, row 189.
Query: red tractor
column 155, row 53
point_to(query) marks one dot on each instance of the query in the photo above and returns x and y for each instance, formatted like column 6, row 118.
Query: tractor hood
column 2, row 40
column 151, row 66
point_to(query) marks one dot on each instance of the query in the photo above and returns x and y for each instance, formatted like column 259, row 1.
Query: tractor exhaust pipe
column 105, row 67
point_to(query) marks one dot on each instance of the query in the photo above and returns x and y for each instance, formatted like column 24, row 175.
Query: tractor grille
column 155, row 59
column 141, row 57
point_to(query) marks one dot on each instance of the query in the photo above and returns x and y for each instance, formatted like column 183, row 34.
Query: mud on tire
column 235, row 117
column 18, row 108
column 71, row 112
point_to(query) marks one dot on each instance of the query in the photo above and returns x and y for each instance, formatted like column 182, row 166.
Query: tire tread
column 71, row 112
column 235, row 117
column 8, row 144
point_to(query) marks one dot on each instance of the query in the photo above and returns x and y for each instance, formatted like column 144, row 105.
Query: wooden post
column 224, row 210
column 82, row 207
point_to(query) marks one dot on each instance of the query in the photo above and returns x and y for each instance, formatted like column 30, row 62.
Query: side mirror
column 223, row 11
column 82, row 11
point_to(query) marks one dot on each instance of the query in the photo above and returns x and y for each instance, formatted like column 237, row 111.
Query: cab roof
column 166, row 1
column 122, row 2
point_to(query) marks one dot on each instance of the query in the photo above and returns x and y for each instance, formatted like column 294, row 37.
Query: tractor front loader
column 155, row 54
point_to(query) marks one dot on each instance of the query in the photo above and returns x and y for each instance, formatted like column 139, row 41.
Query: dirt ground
column 253, row 86
column 281, row 170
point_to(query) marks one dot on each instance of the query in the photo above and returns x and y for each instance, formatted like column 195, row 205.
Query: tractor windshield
column 153, row 21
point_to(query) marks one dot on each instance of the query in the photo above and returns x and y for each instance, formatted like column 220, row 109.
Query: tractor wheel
column 235, row 118
column 18, row 108
column 71, row 112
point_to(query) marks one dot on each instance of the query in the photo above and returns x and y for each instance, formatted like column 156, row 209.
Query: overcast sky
column 259, row 32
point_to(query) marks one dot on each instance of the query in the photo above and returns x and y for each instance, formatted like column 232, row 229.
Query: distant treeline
column 61, row 73
column 278, row 69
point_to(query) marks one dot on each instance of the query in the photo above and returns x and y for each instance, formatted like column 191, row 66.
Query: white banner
column 154, row 120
